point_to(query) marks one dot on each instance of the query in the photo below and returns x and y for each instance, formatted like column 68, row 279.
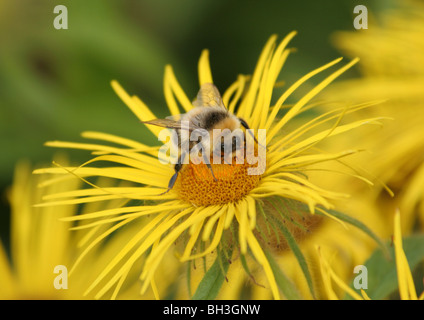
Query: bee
column 208, row 114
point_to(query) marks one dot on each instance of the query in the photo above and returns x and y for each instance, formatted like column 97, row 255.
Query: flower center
column 197, row 185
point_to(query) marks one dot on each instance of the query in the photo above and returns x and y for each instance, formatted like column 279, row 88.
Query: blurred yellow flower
column 40, row 242
column 206, row 223
column 405, row 281
column 392, row 68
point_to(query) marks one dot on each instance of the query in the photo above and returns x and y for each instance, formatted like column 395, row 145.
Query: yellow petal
column 260, row 256
column 205, row 74
column 239, row 85
column 7, row 282
column 172, row 87
column 406, row 284
column 214, row 243
column 326, row 277
column 247, row 104
column 305, row 99
column 136, row 106
column 296, row 85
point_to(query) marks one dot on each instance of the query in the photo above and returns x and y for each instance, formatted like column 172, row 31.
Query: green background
column 54, row 84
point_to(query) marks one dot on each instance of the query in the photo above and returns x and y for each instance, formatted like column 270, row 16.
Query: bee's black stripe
column 214, row 117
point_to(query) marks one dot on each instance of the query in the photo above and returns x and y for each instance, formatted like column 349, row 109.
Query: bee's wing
column 170, row 124
column 208, row 96
column 175, row 117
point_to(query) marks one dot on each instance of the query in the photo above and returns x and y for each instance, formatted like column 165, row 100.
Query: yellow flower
column 392, row 60
column 41, row 246
column 405, row 281
column 206, row 220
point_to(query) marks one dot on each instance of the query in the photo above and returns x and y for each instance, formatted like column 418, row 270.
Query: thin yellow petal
column 251, row 211
column 136, row 106
column 156, row 253
column 96, row 241
column 326, row 133
column 171, row 205
column 147, row 115
column 296, row 85
column 323, row 118
column 192, row 241
column 96, row 147
column 326, row 277
column 241, row 215
column 246, row 106
column 155, row 289
column 103, row 191
column 205, row 74
column 344, row 225
column 365, row 295
column 230, row 215
column 115, row 139
column 148, row 237
column 239, row 86
column 406, row 284
column 119, row 285
column 260, row 256
column 257, row 111
column 172, row 87
column 211, row 222
column 214, row 243
column 7, row 280
column 302, row 102
column 269, row 79
column 120, row 173
column 117, row 159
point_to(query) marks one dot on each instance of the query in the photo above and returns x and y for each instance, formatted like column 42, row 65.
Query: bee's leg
column 171, row 183
column 224, row 161
column 222, row 157
column 205, row 158
column 210, row 168
column 246, row 126
column 177, row 169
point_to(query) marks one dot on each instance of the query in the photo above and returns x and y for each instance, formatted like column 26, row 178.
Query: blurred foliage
column 55, row 84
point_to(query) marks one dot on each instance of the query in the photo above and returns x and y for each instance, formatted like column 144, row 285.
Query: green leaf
column 382, row 274
column 291, row 241
column 286, row 286
column 211, row 283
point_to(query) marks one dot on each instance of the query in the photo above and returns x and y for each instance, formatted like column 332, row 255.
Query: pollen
column 197, row 185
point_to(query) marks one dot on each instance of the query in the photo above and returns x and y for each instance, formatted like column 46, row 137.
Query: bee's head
column 226, row 143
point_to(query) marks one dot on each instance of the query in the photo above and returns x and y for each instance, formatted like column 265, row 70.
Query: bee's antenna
column 246, row 126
